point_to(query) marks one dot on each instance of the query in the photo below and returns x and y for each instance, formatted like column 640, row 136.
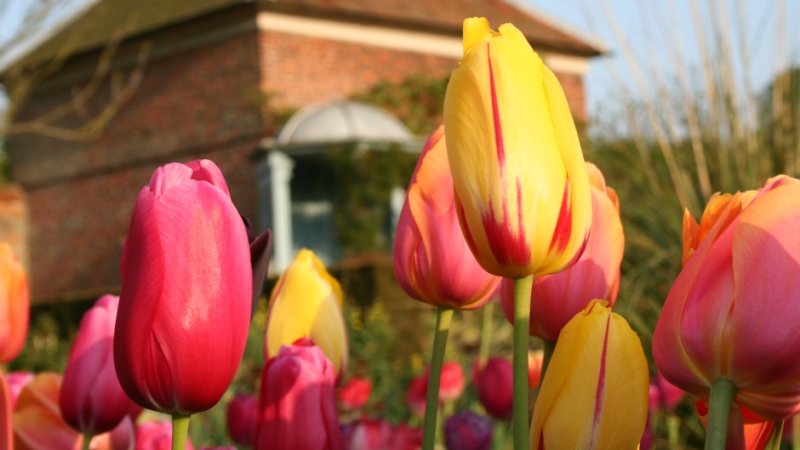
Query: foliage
column 416, row 101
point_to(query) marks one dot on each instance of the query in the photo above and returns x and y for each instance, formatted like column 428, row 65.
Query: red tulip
column 14, row 304
column 452, row 383
column 242, row 416
column 371, row 434
column 732, row 310
column 432, row 260
column 495, row 388
column 466, row 430
column 355, row 393
column 415, row 397
column 16, row 381
column 6, row 409
column 92, row 400
column 156, row 435
column 535, row 362
column 186, row 292
column 405, row 438
column 297, row 409
column 557, row 298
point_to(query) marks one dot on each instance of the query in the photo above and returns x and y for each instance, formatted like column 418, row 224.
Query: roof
column 97, row 21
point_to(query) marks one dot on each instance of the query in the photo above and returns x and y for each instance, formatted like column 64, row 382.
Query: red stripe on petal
column 563, row 229
column 498, row 131
column 507, row 246
column 601, row 383
column 465, row 227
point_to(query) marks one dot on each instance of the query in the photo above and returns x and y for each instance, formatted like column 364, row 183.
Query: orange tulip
column 732, row 312
column 14, row 304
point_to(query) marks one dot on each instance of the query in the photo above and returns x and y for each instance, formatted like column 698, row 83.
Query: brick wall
column 196, row 104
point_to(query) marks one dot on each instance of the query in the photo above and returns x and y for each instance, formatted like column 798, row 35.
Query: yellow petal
column 475, row 30
column 595, row 392
column 306, row 304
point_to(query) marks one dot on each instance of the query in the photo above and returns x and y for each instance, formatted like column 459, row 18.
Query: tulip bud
column 555, row 299
column 241, row 416
column 495, row 388
column 14, row 305
column 355, row 393
column 92, row 400
column 186, row 292
column 451, row 385
column 432, row 261
column 307, row 303
column 521, row 187
column 297, row 408
column 595, row 392
column 156, row 435
column 468, row 431
column 415, row 397
column 731, row 311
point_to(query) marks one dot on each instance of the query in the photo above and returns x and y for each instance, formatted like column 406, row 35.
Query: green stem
column 796, row 432
column 549, row 348
column 180, row 428
column 522, row 313
column 719, row 408
column 87, row 440
column 443, row 317
column 486, row 334
column 673, row 431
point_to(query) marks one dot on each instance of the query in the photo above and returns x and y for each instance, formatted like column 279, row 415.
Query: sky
column 654, row 29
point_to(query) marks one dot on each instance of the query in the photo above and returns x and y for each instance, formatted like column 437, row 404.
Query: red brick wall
column 197, row 104
column 573, row 90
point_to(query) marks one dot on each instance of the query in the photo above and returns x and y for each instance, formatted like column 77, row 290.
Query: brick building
column 212, row 67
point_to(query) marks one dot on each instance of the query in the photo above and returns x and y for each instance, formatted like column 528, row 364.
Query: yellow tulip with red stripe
column 522, row 191
column 307, row 303
column 595, row 392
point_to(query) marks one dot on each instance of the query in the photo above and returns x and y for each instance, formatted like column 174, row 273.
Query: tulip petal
column 14, row 304
column 475, row 30
column 6, row 432
column 260, row 251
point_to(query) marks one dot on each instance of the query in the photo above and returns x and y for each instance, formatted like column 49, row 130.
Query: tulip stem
column 180, row 428
column 522, row 318
column 722, row 392
column 444, row 316
column 486, row 334
column 549, row 348
column 87, row 440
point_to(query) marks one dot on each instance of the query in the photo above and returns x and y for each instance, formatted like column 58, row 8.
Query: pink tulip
column 186, row 291
column 451, row 385
column 466, row 430
column 371, row 434
column 415, row 397
column 355, row 393
column 123, row 437
column 242, row 415
column 432, row 260
column 557, row 298
column 297, row 408
column 495, row 388
column 92, row 400
column 732, row 310
column 405, row 438
column 16, row 381
column 6, row 409
column 663, row 394
column 156, row 435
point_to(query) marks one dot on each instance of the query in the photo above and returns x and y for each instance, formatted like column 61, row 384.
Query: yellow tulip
column 595, row 392
column 522, row 191
column 307, row 303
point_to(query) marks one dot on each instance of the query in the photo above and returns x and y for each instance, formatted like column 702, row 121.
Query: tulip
column 92, row 400
column 415, row 397
column 14, row 305
column 297, row 408
column 405, row 438
column 241, row 416
column 355, row 393
column 555, row 299
column 432, row 261
column 495, row 388
column 371, row 434
column 468, row 431
column 535, row 363
column 6, row 409
column 595, row 392
column 123, row 437
column 743, row 433
column 727, row 329
column 452, row 382
column 156, row 435
column 307, row 303
column 186, row 293
column 16, row 382
column 663, row 394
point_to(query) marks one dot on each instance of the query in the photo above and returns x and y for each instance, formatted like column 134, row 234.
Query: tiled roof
column 109, row 18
